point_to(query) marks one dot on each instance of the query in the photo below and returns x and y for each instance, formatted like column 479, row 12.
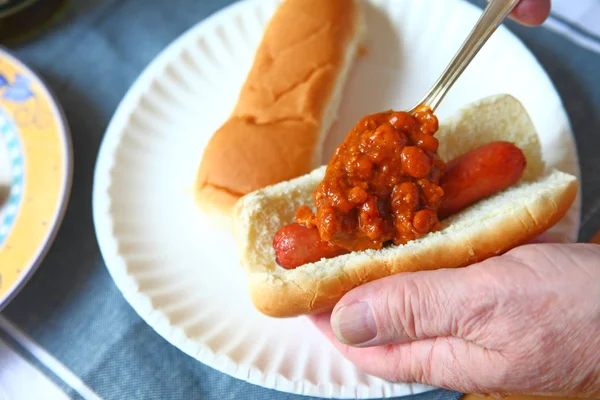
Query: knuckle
column 480, row 305
column 477, row 312
column 454, row 373
column 403, row 309
column 408, row 369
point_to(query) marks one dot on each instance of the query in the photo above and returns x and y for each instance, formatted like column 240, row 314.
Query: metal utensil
column 493, row 15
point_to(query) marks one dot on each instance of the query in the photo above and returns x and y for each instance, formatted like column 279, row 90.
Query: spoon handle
column 490, row 20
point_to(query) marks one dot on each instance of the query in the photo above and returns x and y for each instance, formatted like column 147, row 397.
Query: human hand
column 527, row 322
column 531, row 12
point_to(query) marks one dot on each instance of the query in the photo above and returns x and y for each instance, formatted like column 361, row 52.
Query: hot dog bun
column 487, row 228
column 286, row 106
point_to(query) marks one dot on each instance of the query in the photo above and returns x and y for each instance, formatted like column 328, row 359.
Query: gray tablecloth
column 71, row 306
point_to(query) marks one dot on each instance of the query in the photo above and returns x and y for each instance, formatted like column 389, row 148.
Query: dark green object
column 22, row 20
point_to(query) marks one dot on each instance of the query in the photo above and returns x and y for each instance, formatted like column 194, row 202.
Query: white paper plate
column 183, row 277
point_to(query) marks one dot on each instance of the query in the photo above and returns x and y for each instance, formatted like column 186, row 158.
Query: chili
column 382, row 183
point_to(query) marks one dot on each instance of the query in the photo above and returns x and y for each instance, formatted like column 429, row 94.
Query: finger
column 543, row 238
column 373, row 360
column 531, row 12
column 549, row 237
column 413, row 306
column 451, row 363
column 377, row 361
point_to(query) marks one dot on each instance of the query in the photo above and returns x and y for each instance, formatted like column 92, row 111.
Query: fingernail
column 354, row 324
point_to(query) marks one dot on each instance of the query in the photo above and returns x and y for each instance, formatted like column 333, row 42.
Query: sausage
column 480, row 173
column 473, row 176
column 296, row 245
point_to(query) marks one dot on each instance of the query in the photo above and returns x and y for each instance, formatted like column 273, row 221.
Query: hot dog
column 470, row 229
column 477, row 174
column 297, row 244
column 386, row 184
column 480, row 173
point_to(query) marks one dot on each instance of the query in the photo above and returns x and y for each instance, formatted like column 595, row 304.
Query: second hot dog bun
column 286, row 106
column 489, row 227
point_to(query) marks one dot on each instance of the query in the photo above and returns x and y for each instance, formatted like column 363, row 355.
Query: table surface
column 71, row 307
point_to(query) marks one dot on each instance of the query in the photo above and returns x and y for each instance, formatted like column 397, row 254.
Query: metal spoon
column 493, row 15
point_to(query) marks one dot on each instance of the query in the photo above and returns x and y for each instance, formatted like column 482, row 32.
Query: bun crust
column 488, row 228
column 287, row 104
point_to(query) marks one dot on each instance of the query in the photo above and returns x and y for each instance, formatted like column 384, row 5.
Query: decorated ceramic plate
column 182, row 276
column 35, row 172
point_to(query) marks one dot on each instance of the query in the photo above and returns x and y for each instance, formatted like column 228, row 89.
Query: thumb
column 412, row 306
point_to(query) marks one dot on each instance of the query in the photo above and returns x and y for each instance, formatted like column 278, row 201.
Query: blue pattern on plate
column 10, row 134
column 19, row 91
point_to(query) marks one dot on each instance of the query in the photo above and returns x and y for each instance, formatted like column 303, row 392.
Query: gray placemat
column 72, row 307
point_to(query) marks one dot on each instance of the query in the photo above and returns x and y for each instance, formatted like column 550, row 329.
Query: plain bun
column 287, row 105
